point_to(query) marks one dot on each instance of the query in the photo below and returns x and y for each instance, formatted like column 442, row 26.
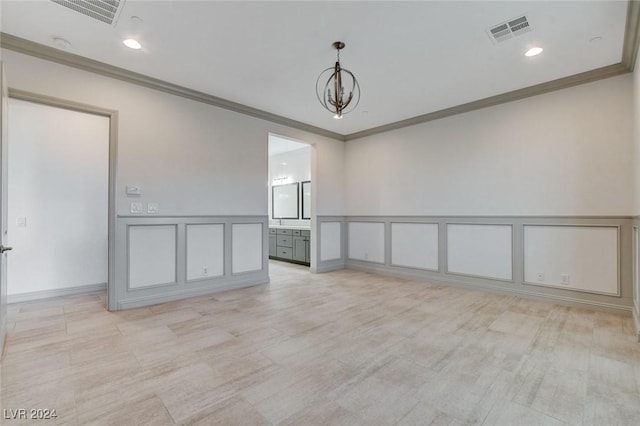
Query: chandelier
column 331, row 90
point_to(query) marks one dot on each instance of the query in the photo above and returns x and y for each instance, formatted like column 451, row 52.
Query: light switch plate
column 152, row 208
column 133, row 190
column 21, row 222
column 136, row 207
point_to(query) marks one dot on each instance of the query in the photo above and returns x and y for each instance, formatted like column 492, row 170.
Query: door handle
column 3, row 249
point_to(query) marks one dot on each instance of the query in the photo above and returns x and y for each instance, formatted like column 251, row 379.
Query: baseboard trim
column 329, row 266
column 185, row 294
column 49, row 294
column 482, row 286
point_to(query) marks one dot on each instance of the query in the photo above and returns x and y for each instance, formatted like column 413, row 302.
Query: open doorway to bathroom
column 289, row 200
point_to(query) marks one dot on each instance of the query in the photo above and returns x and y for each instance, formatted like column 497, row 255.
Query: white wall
column 636, row 188
column 636, row 137
column 191, row 158
column 58, row 186
column 567, row 152
column 296, row 168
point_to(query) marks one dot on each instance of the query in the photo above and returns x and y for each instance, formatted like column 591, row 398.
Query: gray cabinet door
column 273, row 250
column 307, row 246
column 299, row 249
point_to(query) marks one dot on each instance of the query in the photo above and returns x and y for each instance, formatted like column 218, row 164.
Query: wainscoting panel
column 152, row 255
column 205, row 251
column 246, row 243
column 489, row 254
column 415, row 245
column 576, row 257
column 366, row 241
column 331, row 237
column 330, row 243
column 480, row 250
column 163, row 258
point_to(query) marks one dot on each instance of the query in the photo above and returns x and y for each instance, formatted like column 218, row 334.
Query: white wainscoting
column 161, row 258
column 246, row 247
column 415, row 245
column 205, row 251
column 480, row 250
column 331, row 241
column 586, row 255
column 152, row 255
column 495, row 254
column 366, row 241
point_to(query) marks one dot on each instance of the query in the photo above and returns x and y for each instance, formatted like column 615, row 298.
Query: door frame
column 112, row 115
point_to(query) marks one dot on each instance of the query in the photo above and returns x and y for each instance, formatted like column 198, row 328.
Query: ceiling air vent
column 102, row 10
column 509, row 29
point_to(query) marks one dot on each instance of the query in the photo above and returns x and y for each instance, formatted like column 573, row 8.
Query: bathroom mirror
column 284, row 201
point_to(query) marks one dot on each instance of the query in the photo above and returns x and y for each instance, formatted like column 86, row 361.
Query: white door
column 3, row 208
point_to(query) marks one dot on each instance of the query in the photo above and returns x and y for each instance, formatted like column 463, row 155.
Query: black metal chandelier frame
column 334, row 77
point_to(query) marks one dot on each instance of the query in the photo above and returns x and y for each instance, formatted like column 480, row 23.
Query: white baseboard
column 48, row 294
column 328, row 266
column 155, row 299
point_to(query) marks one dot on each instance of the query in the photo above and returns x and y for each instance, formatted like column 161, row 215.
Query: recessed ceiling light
column 132, row 44
column 284, row 164
column 534, row 51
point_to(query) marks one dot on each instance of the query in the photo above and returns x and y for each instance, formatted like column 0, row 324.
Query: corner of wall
column 636, row 321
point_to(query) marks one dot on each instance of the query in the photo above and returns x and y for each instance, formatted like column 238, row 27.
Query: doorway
column 289, row 196
column 60, row 197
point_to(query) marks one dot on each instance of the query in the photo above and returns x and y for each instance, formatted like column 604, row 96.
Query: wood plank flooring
column 342, row 348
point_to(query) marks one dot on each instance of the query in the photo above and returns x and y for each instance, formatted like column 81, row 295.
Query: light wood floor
column 344, row 348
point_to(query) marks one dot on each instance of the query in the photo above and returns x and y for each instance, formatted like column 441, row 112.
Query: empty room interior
column 320, row 213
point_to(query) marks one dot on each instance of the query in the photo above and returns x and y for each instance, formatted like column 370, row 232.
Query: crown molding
column 20, row 45
column 629, row 55
column 538, row 89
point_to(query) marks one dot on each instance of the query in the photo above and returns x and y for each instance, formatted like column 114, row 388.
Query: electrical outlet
column 540, row 276
column 21, row 222
column 136, row 208
column 152, row 208
column 564, row 279
column 205, row 271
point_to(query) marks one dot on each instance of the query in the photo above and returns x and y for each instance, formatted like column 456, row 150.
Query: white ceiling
column 411, row 58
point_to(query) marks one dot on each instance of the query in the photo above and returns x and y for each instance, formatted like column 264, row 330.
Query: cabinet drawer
column 305, row 233
column 296, row 232
column 285, row 252
column 284, row 241
column 283, row 231
column 272, row 230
